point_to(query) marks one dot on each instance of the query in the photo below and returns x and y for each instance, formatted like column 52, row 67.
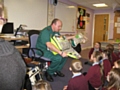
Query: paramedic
column 43, row 43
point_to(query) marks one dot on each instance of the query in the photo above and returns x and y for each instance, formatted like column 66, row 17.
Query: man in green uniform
column 44, row 43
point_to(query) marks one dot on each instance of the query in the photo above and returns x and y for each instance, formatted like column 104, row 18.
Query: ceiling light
column 100, row 5
column 71, row 6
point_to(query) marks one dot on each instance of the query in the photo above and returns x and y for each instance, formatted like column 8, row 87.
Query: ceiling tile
column 88, row 3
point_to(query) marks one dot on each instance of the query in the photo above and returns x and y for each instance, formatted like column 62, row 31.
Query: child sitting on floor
column 97, row 47
column 117, row 64
column 113, row 56
column 95, row 74
column 113, row 80
column 106, row 62
column 78, row 81
column 42, row 85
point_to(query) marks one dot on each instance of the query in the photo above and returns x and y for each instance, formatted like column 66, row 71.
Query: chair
column 36, row 74
column 33, row 35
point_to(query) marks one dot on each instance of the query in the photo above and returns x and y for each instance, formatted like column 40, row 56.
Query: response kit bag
column 79, row 38
column 35, row 74
column 12, row 67
column 64, row 45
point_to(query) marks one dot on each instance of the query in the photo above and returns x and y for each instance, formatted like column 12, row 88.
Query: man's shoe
column 60, row 74
column 48, row 77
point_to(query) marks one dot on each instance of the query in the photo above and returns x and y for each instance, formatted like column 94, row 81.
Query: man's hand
column 70, row 37
column 63, row 54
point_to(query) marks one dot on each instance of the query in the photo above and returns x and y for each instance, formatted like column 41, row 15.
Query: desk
column 9, row 38
column 20, row 48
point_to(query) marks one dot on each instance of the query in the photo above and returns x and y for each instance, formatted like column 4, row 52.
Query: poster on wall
column 81, row 14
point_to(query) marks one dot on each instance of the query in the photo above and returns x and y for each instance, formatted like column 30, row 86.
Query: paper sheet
column 118, row 30
column 118, row 25
column 118, row 19
column 115, row 24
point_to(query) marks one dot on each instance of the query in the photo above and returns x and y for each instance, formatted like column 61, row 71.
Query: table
column 9, row 38
column 104, row 43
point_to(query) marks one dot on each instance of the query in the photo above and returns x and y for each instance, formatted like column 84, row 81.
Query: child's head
column 76, row 66
column 114, row 78
column 117, row 64
column 42, row 85
column 105, row 53
column 110, row 48
column 96, row 56
column 97, row 45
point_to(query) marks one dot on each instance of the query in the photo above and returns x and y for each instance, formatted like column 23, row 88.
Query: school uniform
column 92, row 50
column 118, row 55
column 93, row 75
column 107, row 66
column 114, row 58
column 78, row 82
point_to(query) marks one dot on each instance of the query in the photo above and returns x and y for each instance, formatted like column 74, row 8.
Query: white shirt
column 76, row 74
column 95, row 63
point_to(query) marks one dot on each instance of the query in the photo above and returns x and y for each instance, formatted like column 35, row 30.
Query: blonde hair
column 42, row 85
column 107, row 53
column 99, row 57
column 114, row 79
column 76, row 66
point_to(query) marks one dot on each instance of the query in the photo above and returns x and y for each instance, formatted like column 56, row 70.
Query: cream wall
column 29, row 12
column 89, row 26
column 36, row 17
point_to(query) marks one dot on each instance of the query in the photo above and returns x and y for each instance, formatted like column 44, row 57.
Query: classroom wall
column 111, row 20
column 89, row 30
column 32, row 13
column 34, row 20
column 89, row 26
column 68, row 17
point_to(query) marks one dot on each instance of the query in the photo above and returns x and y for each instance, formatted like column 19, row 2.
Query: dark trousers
column 78, row 48
column 57, row 62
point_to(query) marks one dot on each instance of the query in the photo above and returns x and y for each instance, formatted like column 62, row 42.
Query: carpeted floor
column 60, row 82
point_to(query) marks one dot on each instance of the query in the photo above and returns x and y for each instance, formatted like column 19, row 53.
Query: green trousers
column 57, row 62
